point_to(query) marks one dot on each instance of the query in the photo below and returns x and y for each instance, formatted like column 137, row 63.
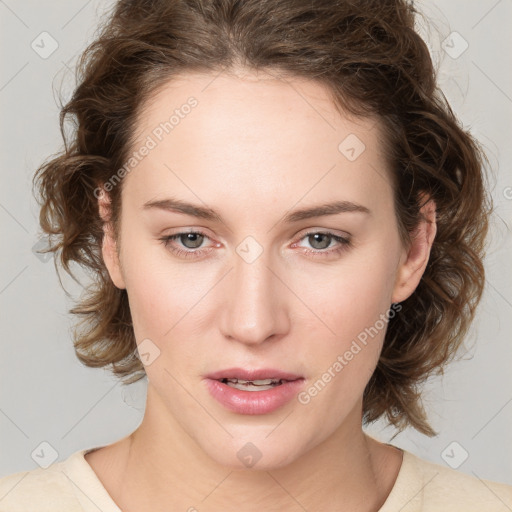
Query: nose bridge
column 253, row 311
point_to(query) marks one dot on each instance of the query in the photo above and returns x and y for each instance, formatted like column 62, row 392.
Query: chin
column 255, row 453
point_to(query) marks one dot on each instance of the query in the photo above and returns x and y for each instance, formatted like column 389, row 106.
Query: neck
column 162, row 468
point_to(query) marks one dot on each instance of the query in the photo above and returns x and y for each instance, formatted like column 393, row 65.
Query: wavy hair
column 373, row 63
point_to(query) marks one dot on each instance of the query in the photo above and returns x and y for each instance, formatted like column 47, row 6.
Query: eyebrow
column 333, row 208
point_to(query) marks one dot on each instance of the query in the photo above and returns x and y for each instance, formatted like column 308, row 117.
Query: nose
column 254, row 310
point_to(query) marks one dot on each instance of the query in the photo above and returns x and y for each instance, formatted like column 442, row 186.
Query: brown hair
column 374, row 63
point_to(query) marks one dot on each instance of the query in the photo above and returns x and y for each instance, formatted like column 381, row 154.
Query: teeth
column 255, row 385
column 249, row 386
column 264, row 382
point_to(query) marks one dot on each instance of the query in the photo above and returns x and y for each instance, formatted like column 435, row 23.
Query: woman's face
column 259, row 286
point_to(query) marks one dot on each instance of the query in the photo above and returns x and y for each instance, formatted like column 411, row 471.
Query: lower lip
column 254, row 402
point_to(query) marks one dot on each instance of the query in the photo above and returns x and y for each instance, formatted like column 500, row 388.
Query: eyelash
column 345, row 243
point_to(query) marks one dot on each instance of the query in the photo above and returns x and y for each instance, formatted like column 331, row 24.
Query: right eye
column 190, row 240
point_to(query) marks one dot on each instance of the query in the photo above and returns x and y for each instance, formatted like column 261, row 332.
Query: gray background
column 46, row 395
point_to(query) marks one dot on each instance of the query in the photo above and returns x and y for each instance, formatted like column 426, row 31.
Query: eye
column 321, row 240
column 190, row 240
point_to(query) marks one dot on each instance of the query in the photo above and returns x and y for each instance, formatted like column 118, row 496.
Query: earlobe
column 415, row 258
column 109, row 244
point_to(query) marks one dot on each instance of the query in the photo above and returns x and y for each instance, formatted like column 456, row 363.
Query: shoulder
column 430, row 487
column 59, row 487
column 46, row 487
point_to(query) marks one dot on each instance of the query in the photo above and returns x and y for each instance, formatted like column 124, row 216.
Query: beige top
column 72, row 486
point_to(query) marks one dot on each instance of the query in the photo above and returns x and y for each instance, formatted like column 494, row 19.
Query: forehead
column 257, row 138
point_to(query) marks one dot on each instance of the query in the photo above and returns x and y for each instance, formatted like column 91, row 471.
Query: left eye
column 320, row 240
column 194, row 239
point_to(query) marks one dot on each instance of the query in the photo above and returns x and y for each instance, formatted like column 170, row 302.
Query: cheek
column 162, row 309
column 352, row 312
column 353, row 295
column 162, row 302
column 159, row 293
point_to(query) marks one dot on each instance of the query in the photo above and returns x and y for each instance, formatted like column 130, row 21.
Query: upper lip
column 252, row 374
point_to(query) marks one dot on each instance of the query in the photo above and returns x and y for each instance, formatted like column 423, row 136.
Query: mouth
column 253, row 391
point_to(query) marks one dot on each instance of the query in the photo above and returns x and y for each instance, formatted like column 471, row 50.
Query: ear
column 109, row 247
column 414, row 259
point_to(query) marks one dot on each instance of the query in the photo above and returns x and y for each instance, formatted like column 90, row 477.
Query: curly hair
column 373, row 63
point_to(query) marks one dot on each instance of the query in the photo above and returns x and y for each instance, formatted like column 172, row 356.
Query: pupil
column 321, row 235
column 189, row 237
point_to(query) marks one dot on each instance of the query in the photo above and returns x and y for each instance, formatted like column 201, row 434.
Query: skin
column 254, row 149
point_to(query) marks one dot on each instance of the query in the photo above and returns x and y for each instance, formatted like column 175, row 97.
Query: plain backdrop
column 47, row 396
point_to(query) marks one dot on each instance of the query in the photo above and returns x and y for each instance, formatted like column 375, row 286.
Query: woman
column 285, row 225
